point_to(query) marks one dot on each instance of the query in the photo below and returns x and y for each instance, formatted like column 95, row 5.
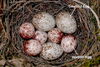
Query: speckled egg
column 43, row 21
column 32, row 47
column 65, row 22
column 55, row 35
column 51, row 51
column 41, row 36
column 68, row 43
column 26, row 30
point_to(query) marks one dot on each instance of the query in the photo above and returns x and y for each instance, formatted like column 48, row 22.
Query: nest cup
column 20, row 12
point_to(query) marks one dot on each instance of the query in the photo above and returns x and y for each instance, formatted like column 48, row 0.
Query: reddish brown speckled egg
column 26, row 30
column 55, row 35
column 68, row 43
column 32, row 47
column 41, row 36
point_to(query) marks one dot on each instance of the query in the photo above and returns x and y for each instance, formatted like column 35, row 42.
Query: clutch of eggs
column 44, row 24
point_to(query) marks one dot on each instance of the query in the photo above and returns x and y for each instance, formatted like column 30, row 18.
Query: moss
column 1, row 58
column 73, row 64
column 91, row 63
column 1, row 65
column 98, row 32
column 98, row 38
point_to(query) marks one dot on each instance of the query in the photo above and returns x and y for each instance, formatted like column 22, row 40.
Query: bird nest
column 20, row 11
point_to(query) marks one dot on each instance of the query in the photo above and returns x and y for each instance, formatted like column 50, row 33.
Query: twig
column 76, row 6
column 59, row 10
column 86, row 6
column 76, row 52
column 73, row 11
column 15, row 5
column 51, row 1
column 1, row 15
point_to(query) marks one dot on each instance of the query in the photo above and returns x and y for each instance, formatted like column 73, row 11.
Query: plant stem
column 86, row 6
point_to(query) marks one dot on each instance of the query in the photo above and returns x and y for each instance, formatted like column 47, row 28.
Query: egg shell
column 65, row 22
column 26, row 30
column 32, row 47
column 43, row 21
column 55, row 35
column 51, row 51
column 41, row 36
column 68, row 43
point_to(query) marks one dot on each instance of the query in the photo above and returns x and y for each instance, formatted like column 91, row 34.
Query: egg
column 32, row 47
column 68, row 43
column 65, row 22
column 51, row 51
column 43, row 21
column 41, row 36
column 55, row 35
column 26, row 30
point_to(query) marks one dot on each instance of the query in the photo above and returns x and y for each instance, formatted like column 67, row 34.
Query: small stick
column 76, row 52
column 73, row 11
column 86, row 6
column 51, row 1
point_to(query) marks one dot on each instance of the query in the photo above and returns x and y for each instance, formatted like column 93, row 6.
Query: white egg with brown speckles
column 43, row 21
column 41, row 36
column 51, row 51
column 68, row 43
column 26, row 30
column 66, row 23
column 32, row 47
column 55, row 35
